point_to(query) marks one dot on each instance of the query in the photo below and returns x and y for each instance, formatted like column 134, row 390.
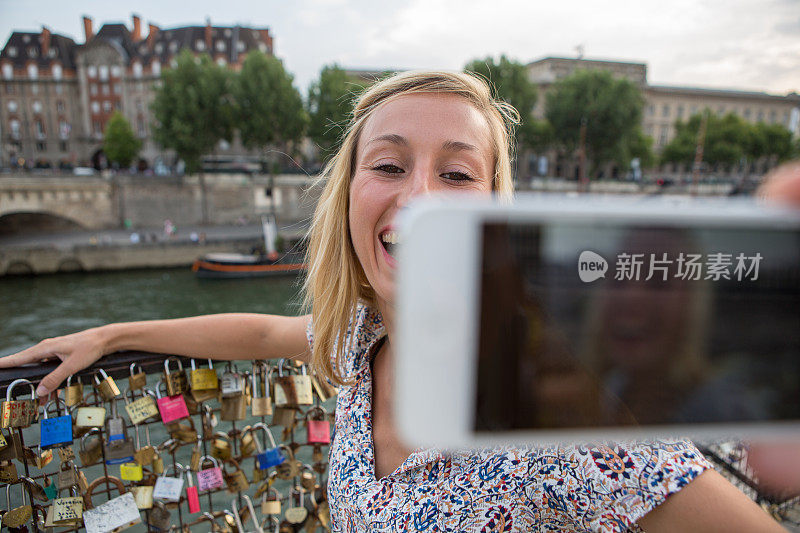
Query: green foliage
column 611, row 108
column 329, row 105
column 120, row 145
column 268, row 107
column 510, row 83
column 728, row 140
column 193, row 108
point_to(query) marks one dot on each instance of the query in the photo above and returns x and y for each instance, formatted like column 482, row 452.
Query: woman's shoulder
column 365, row 327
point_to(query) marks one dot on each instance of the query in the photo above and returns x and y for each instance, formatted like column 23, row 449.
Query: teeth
column 390, row 237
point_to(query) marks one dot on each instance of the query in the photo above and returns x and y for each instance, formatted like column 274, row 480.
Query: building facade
column 56, row 95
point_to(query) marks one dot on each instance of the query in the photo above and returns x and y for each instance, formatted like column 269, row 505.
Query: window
column 240, row 46
column 665, row 110
column 39, row 128
column 97, row 129
column 57, row 72
column 220, row 45
column 36, row 106
column 221, row 61
column 64, row 129
column 680, row 112
column 104, row 88
column 140, row 127
column 103, row 72
column 33, row 52
column 53, row 52
column 8, row 71
column 14, row 128
column 227, row 32
column 95, row 107
column 139, row 105
column 91, row 71
column 34, row 88
column 41, row 147
column 63, row 146
column 59, row 88
column 137, row 69
column 118, row 105
column 60, row 107
column 662, row 140
column 173, row 46
column 760, row 115
column 93, row 89
column 117, row 88
column 12, row 51
column 12, row 106
column 159, row 48
column 107, row 106
column 156, row 66
column 772, row 116
column 200, row 45
column 10, row 89
column 116, row 71
column 747, row 113
column 33, row 71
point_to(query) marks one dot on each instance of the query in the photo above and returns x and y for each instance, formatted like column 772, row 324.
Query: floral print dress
column 559, row 488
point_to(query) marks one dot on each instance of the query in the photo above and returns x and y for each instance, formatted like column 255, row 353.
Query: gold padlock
column 204, row 381
column 261, row 404
column 106, row 387
column 271, row 502
column 307, row 478
column 140, row 409
column 143, row 494
column 297, row 514
column 68, row 511
column 248, row 445
column 194, row 460
column 144, row 455
column 137, row 380
column 19, row 413
column 287, row 469
column 221, row 446
column 175, row 380
column 73, row 395
column 19, row 515
column 234, row 407
column 92, row 452
column 237, row 480
column 8, row 472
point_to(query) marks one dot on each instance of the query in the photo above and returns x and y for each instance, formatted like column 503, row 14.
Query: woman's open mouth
column 390, row 240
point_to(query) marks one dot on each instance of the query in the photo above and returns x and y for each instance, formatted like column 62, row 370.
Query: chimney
column 44, row 39
column 88, row 33
column 137, row 29
column 151, row 36
column 208, row 35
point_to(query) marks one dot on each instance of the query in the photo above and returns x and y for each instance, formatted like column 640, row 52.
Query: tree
column 120, row 145
column 329, row 105
column 610, row 108
column 510, row 83
column 193, row 108
column 269, row 108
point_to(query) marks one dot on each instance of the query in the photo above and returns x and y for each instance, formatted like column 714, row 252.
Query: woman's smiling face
column 413, row 145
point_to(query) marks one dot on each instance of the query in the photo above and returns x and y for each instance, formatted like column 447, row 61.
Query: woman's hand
column 76, row 351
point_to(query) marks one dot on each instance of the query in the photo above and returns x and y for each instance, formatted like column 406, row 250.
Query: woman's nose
column 418, row 184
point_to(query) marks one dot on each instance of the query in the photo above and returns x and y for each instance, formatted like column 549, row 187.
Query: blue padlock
column 270, row 457
column 56, row 431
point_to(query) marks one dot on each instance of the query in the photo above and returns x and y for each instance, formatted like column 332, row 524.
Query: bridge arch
column 33, row 221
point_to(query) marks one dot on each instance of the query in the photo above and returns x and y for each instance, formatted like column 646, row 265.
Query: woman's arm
column 708, row 503
column 223, row 337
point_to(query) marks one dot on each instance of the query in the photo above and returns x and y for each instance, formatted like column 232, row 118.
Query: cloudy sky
column 745, row 44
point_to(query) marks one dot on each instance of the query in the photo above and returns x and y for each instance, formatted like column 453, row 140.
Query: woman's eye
column 389, row 169
column 457, row 176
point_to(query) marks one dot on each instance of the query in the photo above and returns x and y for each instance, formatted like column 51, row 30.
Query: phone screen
column 609, row 325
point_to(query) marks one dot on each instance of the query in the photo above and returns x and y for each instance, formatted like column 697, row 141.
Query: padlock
column 39, row 458
column 192, row 499
column 169, row 488
column 131, row 472
column 209, row 478
column 158, row 463
column 140, row 409
column 68, row 511
column 8, row 472
column 291, row 390
column 271, row 502
column 137, row 380
column 90, row 417
column 296, row 514
column 171, row 407
column 106, row 387
column 56, row 431
column 307, row 478
column 248, row 511
column 209, row 421
column 182, row 430
column 204, row 382
column 221, row 446
column 288, row 468
column 19, row 413
column 118, row 447
column 73, row 394
column 19, row 515
column 34, row 489
column 323, row 387
column 261, row 404
column 159, row 517
column 67, row 476
column 318, row 428
column 114, row 515
column 232, row 382
column 91, row 453
column 234, row 408
column 143, row 495
column 175, row 381
column 236, row 480
column 50, row 488
column 284, row 416
column 248, row 443
column 194, row 460
column 12, row 447
column 267, row 456
column 66, row 454
column 144, row 455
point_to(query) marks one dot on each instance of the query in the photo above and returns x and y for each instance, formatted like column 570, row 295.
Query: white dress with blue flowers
column 561, row 488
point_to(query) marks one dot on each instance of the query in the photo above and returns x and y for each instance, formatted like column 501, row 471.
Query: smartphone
column 575, row 319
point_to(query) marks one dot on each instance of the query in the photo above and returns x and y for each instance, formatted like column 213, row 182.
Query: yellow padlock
column 131, row 471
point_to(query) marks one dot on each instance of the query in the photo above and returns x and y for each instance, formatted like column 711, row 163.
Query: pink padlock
column 209, row 478
column 171, row 407
column 319, row 429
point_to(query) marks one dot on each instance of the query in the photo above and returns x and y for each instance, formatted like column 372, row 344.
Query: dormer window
column 91, row 71
column 200, row 45
column 173, row 46
column 240, row 46
column 156, row 66
column 220, row 45
column 8, row 71
column 137, row 69
column 103, row 71
column 33, row 52
column 12, row 51
column 116, row 71
column 159, row 48
column 33, row 72
column 57, row 72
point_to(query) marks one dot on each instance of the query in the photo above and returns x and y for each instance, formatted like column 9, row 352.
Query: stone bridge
column 70, row 202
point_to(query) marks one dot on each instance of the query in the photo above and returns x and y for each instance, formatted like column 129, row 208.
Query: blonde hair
column 335, row 282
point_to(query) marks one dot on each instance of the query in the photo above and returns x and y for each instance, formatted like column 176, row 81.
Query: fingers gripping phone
column 580, row 319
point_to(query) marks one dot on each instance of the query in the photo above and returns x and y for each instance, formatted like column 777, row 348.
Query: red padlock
column 171, row 407
column 318, row 428
column 191, row 494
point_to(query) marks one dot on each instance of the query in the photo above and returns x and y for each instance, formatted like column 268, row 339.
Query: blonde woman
column 410, row 135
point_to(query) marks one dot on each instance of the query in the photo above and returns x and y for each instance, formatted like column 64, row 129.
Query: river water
column 33, row 308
